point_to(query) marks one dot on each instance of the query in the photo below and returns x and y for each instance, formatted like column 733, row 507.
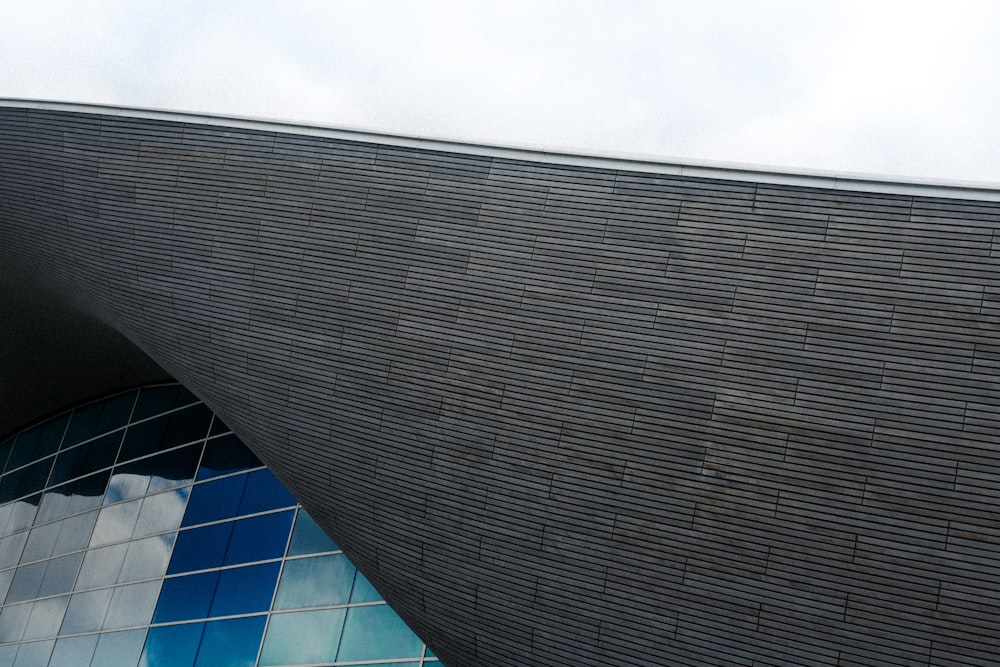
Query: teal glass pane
column 86, row 611
column 132, row 605
column 35, row 654
column 302, row 638
column 308, row 537
column 377, row 633
column 363, row 590
column 245, row 590
column 74, row 651
column 119, row 648
column 172, row 645
column 7, row 655
column 231, row 643
column 315, row 582
column 186, row 598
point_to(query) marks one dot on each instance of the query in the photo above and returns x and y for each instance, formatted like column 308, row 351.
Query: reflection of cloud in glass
column 147, row 558
column 132, row 605
column 116, row 523
column 126, row 485
column 13, row 620
column 162, row 512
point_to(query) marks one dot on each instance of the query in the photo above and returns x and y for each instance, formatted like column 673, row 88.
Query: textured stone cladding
column 564, row 415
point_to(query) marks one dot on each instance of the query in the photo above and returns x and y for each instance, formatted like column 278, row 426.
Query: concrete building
column 558, row 409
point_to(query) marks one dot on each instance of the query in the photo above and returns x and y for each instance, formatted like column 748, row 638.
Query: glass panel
column 302, row 638
column 364, row 591
column 101, row 566
column 162, row 512
column 147, row 558
column 231, row 643
column 154, row 400
column 116, row 523
column 86, row 611
column 377, row 633
column 75, row 533
column 11, row 548
column 85, row 459
column 6, row 576
column 119, row 648
column 7, row 655
column 187, row 597
column 35, row 654
column 132, row 605
column 264, row 492
column 37, row 442
column 115, row 412
column 27, row 581
column 200, row 548
column 23, row 513
column 211, row 501
column 74, row 651
column 308, row 537
column 46, row 617
column 127, row 483
column 78, row 496
column 41, row 540
column 218, row 427
column 245, row 590
column 13, row 620
column 8, row 445
column 224, row 455
column 60, row 575
column 174, row 468
column 172, row 645
column 160, row 433
column 25, row 481
column 82, row 425
column 259, row 538
column 314, row 582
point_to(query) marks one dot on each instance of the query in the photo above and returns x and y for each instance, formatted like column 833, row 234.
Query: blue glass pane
column 363, row 590
column 231, row 643
column 177, row 428
column 302, row 638
column 154, row 400
column 185, row 598
column 200, row 548
column 315, row 582
column 259, row 538
column 245, row 590
column 172, row 645
column 224, row 455
column 212, row 501
column 264, row 492
column 377, row 633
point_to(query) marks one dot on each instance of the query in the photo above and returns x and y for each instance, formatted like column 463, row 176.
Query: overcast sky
column 910, row 89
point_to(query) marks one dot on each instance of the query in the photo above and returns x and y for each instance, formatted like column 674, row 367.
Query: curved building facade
column 558, row 409
column 137, row 530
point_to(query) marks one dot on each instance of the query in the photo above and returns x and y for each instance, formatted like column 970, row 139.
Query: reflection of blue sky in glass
column 174, row 558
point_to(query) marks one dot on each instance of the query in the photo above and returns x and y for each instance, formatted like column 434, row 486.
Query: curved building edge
column 559, row 413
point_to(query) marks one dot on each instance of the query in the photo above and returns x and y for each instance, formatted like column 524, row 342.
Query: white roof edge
column 845, row 181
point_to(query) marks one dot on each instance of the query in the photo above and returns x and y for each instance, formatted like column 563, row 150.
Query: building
column 558, row 409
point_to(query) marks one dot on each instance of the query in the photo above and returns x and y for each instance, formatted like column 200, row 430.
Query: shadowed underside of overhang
column 558, row 414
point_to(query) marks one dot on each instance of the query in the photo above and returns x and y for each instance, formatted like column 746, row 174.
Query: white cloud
column 876, row 86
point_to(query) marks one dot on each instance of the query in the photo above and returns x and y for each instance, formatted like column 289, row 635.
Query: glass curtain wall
column 138, row 530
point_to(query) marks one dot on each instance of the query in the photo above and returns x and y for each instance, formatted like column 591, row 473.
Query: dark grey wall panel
column 563, row 414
